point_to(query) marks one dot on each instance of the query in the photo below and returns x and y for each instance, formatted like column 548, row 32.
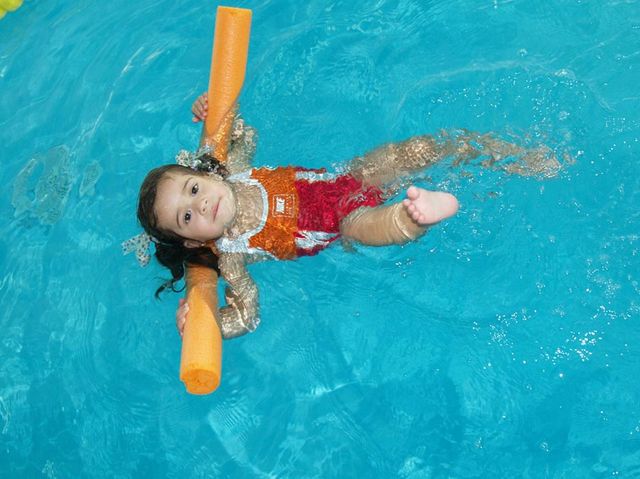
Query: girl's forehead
column 167, row 200
column 170, row 183
column 172, row 179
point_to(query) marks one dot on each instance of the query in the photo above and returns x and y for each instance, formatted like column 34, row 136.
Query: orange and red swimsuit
column 302, row 210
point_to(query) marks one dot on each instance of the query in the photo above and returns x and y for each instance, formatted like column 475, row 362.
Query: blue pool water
column 502, row 344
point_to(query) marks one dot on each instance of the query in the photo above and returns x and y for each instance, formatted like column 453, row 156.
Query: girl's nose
column 203, row 205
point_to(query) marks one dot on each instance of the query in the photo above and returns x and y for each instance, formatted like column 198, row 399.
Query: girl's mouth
column 214, row 210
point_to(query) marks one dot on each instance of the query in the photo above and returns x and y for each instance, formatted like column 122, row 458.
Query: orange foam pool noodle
column 201, row 360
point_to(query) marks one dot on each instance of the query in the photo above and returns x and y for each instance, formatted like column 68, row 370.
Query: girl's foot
column 429, row 207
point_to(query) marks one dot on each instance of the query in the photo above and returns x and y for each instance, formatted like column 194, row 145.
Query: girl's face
column 197, row 208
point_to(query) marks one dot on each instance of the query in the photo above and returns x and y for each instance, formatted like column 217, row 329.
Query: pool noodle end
column 200, row 363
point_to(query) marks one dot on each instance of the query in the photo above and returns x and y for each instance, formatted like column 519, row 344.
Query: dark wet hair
column 170, row 250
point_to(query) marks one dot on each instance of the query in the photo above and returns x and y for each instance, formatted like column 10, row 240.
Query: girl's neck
column 248, row 208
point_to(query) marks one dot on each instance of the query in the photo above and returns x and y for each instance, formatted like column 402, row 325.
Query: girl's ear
column 188, row 243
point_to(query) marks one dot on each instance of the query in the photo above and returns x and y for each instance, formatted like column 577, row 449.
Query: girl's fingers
column 199, row 108
column 181, row 315
column 202, row 101
column 180, row 325
column 199, row 115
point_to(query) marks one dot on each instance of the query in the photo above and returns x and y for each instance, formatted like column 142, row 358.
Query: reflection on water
column 47, row 198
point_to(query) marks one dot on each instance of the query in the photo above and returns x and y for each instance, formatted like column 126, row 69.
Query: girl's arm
column 240, row 316
column 242, row 145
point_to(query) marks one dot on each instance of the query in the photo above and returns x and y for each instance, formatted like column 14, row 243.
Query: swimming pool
column 503, row 344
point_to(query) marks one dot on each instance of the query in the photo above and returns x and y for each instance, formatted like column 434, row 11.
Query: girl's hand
column 200, row 107
column 181, row 316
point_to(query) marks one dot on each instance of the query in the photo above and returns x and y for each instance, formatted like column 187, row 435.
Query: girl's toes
column 413, row 192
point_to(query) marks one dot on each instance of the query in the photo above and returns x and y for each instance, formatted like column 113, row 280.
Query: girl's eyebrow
column 186, row 183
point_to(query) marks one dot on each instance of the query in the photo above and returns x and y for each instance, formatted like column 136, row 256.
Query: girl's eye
column 194, row 189
column 187, row 217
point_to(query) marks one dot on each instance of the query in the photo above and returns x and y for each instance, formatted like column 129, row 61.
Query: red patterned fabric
column 323, row 204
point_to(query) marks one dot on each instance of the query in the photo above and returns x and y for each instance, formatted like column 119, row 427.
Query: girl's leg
column 401, row 222
column 394, row 161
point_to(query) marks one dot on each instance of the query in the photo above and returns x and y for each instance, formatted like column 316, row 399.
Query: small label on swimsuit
column 283, row 205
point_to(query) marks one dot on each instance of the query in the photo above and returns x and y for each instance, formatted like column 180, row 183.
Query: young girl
column 227, row 216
